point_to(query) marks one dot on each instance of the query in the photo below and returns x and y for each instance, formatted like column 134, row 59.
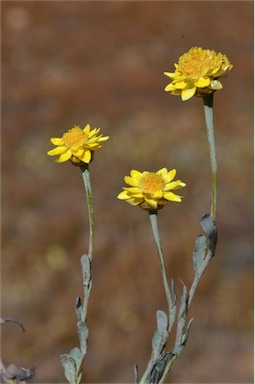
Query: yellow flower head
column 77, row 145
column 197, row 73
column 151, row 190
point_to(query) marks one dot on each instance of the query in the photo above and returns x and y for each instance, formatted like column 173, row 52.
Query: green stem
column 154, row 225
column 87, row 184
column 208, row 110
column 86, row 263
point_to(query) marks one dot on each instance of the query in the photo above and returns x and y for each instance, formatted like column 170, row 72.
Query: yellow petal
column 86, row 157
column 133, row 190
column 172, row 197
column 170, row 175
column 162, row 171
column 136, row 175
column 173, row 75
column 87, row 129
column 57, row 141
column 77, row 152
column 152, row 203
column 130, row 181
column 64, row 157
column 157, row 195
column 104, row 138
column 202, row 82
column 169, row 87
column 134, row 201
column 123, row 195
column 180, row 84
column 169, row 74
column 57, row 151
column 188, row 93
column 174, row 185
column 180, row 185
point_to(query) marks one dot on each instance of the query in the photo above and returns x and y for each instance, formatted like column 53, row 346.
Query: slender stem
column 181, row 324
column 87, row 184
column 208, row 110
column 86, row 263
column 154, row 225
column 146, row 373
column 168, row 368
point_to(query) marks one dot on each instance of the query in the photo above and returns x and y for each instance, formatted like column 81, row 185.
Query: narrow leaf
column 182, row 315
column 160, row 335
column 210, row 229
column 186, row 334
column 83, row 334
column 173, row 306
column 156, row 343
column 173, row 292
column 199, row 252
column 183, row 307
column 86, row 267
column 159, row 368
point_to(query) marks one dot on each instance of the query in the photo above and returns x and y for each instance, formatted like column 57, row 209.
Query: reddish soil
column 77, row 62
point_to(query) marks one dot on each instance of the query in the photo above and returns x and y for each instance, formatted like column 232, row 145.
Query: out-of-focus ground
column 75, row 62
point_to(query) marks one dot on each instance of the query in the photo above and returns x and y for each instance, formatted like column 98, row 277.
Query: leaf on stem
column 159, row 368
column 86, row 267
column 70, row 363
column 199, row 252
column 210, row 229
column 78, row 308
column 186, row 334
column 83, row 334
column 70, row 367
column 173, row 306
column 183, row 307
column 161, row 321
column 160, row 335
column 182, row 314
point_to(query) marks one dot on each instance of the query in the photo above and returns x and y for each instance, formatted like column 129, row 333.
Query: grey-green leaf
column 70, row 367
column 199, row 252
column 75, row 353
column 210, row 229
column 162, row 321
column 207, row 223
column 86, row 266
column 160, row 335
column 186, row 334
column 173, row 308
column 83, row 334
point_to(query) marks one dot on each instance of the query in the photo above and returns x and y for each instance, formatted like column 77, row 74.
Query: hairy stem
column 154, row 225
column 208, row 110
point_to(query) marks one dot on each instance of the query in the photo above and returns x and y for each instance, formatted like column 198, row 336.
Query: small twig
column 9, row 319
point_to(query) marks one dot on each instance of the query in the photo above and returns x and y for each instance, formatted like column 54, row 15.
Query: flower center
column 197, row 62
column 74, row 137
column 151, row 182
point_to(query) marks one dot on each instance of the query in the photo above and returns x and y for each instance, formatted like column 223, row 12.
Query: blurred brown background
column 75, row 62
